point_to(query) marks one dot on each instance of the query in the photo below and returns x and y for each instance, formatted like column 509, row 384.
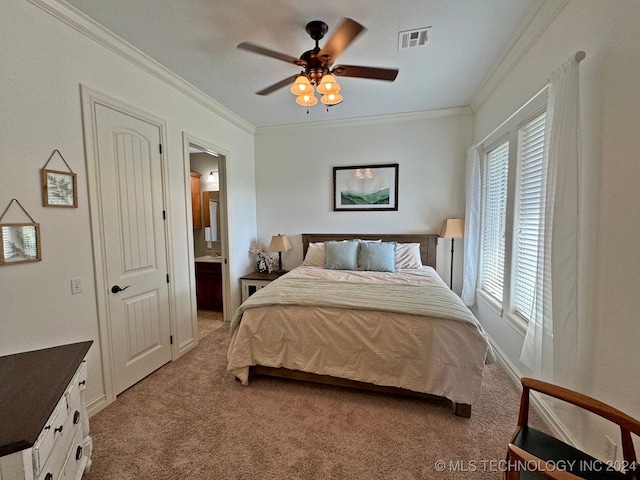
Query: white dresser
column 44, row 433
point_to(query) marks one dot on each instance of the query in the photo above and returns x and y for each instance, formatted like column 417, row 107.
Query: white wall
column 294, row 176
column 44, row 61
column 610, row 257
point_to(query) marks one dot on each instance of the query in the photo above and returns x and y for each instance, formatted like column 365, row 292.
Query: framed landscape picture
column 366, row 187
column 59, row 189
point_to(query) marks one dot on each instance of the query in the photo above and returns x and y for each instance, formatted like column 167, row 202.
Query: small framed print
column 366, row 187
column 20, row 243
column 59, row 189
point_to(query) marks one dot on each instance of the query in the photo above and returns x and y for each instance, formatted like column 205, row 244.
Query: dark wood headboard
column 428, row 242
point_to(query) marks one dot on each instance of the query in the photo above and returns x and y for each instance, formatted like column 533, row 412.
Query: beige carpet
column 208, row 321
column 192, row 420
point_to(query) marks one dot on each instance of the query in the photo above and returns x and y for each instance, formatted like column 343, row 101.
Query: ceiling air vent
column 413, row 38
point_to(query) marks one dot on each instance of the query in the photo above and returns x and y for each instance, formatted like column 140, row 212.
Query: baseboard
column 185, row 347
column 542, row 408
column 97, row 405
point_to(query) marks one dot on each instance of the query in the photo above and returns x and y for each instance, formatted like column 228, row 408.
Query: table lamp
column 279, row 243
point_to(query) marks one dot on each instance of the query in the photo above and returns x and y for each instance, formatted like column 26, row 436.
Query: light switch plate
column 76, row 286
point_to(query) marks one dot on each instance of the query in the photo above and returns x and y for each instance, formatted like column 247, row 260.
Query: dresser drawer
column 61, row 449
column 51, row 448
column 76, row 459
column 73, row 392
column 50, row 435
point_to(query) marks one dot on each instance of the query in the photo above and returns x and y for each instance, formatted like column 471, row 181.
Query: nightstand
column 251, row 283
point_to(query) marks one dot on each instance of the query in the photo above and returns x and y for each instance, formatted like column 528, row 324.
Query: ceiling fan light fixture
column 307, row 100
column 302, row 86
column 317, row 63
column 331, row 98
column 328, row 84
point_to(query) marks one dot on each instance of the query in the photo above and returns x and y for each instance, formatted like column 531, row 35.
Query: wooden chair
column 533, row 454
column 520, row 459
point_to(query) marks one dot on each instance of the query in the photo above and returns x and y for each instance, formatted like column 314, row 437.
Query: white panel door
column 135, row 257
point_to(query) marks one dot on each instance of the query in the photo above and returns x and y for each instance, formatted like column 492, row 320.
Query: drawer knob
column 79, row 452
column 76, row 417
column 59, row 429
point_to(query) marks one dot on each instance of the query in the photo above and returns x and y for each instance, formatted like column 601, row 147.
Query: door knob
column 116, row 288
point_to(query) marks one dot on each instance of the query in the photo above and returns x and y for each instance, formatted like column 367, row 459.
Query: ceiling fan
column 318, row 62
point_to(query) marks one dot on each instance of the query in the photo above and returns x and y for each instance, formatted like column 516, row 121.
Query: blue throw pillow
column 341, row 255
column 377, row 257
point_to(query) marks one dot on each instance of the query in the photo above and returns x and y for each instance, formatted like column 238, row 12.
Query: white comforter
column 405, row 330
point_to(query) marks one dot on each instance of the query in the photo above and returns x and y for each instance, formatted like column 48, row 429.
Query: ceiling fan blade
column 252, row 47
column 340, row 40
column 277, row 86
column 387, row 74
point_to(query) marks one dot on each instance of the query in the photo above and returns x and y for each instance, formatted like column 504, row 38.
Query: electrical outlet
column 610, row 449
column 76, row 286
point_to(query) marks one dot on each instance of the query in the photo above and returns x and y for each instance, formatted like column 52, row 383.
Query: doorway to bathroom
column 208, row 227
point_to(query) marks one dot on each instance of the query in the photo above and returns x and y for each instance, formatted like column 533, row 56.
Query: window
column 511, row 199
column 530, row 145
column 494, row 207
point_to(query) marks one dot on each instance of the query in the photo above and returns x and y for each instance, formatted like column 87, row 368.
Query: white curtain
column 471, row 227
column 550, row 346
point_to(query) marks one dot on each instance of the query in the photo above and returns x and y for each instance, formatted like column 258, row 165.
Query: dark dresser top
column 31, row 385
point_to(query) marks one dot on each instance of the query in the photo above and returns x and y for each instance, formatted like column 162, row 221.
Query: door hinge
column 167, row 278
column 164, row 214
column 171, row 339
column 160, row 148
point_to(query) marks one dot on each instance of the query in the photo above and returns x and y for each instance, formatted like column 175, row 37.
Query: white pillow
column 315, row 255
column 408, row 255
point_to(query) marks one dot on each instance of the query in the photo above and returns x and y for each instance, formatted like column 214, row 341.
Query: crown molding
column 529, row 34
column 374, row 119
column 90, row 28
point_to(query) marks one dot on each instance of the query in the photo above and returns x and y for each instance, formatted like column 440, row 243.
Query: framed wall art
column 59, row 188
column 365, row 187
column 19, row 242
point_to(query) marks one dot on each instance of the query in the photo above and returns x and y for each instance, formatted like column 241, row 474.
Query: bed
column 390, row 328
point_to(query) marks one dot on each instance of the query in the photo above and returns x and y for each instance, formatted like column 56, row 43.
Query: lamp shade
column 452, row 228
column 328, row 84
column 302, row 85
column 331, row 98
column 213, row 177
column 279, row 243
column 307, row 100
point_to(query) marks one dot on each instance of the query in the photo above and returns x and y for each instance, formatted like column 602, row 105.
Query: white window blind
column 530, row 146
column 493, row 220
